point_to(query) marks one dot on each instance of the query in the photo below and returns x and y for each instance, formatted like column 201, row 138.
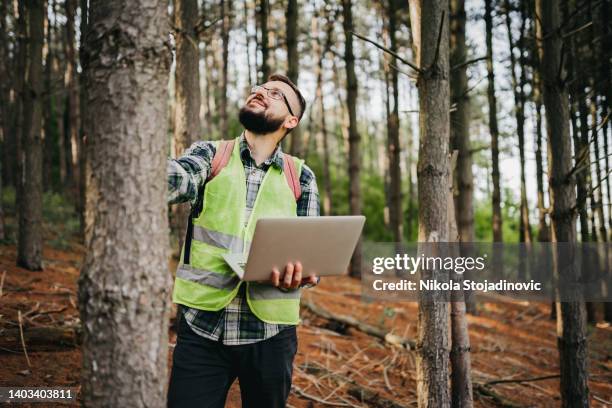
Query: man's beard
column 258, row 122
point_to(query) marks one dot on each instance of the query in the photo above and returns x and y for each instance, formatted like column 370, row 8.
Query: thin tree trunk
column 543, row 229
column 124, row 284
column 293, row 65
column 571, row 322
column 320, row 53
column 432, row 174
column 354, row 165
column 598, row 209
column 29, row 249
column 83, row 111
column 49, row 114
column 496, row 199
column 187, row 94
column 460, row 119
column 461, row 377
column 5, row 103
column 247, row 36
column 262, row 12
column 226, row 15
column 7, row 96
column 71, row 85
column 519, row 111
column 393, row 145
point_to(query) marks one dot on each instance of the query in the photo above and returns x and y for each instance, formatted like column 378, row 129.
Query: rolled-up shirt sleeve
column 187, row 174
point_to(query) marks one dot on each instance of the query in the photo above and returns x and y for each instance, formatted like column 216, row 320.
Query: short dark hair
column 285, row 79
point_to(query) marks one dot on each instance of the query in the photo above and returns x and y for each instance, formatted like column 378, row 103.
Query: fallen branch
column 364, row 395
column 499, row 400
column 304, row 394
column 522, row 380
column 361, row 326
column 2, row 282
column 40, row 338
column 25, row 351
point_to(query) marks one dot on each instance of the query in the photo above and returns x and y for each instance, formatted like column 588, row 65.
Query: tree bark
column 393, row 143
column 83, row 111
column 71, row 85
column 518, row 86
column 293, row 65
column 433, row 187
column 461, row 370
column 460, row 118
column 7, row 101
column 571, row 324
column 496, row 197
column 187, row 94
column 124, row 285
column 262, row 13
column 354, row 168
column 226, row 15
column 29, row 248
column 320, row 53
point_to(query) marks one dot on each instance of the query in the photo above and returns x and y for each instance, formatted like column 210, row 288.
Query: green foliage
column 483, row 219
column 59, row 217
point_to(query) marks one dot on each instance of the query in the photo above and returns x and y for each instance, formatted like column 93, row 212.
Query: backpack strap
column 292, row 176
column 222, row 156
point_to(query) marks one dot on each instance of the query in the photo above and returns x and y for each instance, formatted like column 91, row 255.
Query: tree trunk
column 49, row 114
column 393, row 144
column 496, row 199
column 71, row 84
column 543, row 229
column 461, row 368
column 29, row 249
column 433, row 187
column 571, row 324
column 187, row 94
column 7, row 97
column 263, row 10
column 293, row 65
column 460, row 118
column 320, row 53
column 18, row 124
column 82, row 111
column 226, row 15
column 354, row 167
column 5, row 103
column 247, row 36
column 518, row 86
column 124, row 285
column 601, row 221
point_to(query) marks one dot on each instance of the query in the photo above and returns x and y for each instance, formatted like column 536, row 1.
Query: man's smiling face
column 269, row 108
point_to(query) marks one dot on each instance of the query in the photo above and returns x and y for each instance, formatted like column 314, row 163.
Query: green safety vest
column 207, row 282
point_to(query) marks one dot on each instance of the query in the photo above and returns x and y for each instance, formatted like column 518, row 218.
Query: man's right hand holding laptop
column 292, row 277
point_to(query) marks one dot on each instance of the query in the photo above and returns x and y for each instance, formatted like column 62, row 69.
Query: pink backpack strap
column 222, row 156
column 291, row 175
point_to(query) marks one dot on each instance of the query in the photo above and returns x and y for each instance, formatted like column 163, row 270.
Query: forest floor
column 336, row 365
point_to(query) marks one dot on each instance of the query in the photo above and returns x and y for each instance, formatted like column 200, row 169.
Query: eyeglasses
column 274, row 94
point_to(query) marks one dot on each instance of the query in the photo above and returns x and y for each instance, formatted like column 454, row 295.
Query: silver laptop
column 323, row 245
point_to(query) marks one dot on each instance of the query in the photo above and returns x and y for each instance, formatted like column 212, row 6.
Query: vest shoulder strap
column 293, row 179
column 224, row 152
column 222, row 156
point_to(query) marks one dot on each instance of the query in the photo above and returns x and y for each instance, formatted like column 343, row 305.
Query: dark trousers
column 203, row 370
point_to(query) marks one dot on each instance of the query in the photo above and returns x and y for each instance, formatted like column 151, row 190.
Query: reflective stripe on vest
column 218, row 239
column 208, row 283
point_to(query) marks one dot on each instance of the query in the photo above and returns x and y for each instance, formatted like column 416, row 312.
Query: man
column 229, row 329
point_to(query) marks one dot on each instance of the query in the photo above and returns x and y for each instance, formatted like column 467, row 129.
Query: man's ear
column 291, row 122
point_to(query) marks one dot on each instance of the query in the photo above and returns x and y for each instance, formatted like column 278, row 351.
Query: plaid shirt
column 235, row 324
